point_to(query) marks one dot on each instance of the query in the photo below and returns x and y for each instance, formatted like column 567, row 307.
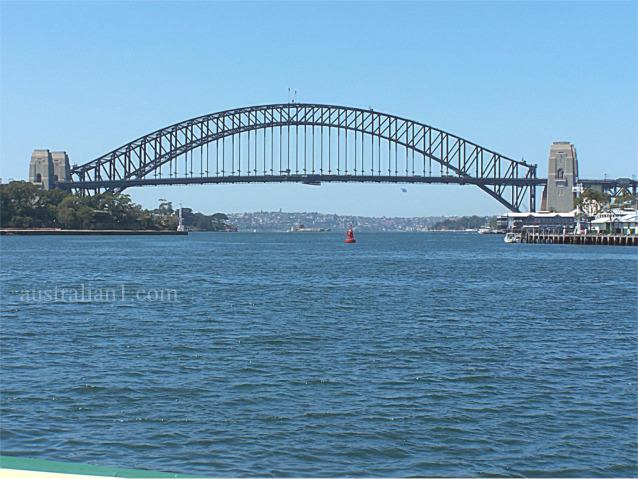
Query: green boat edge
column 42, row 465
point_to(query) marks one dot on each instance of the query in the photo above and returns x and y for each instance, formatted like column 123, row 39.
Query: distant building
column 548, row 222
column 49, row 167
column 616, row 222
column 502, row 224
column 562, row 177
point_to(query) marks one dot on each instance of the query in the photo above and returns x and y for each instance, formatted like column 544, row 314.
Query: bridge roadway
column 304, row 179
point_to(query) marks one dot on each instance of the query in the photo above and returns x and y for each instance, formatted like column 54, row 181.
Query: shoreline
column 61, row 232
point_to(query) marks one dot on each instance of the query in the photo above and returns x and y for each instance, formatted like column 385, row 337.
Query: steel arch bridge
column 306, row 143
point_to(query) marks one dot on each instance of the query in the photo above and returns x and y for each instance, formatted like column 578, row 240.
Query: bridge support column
column 41, row 169
column 47, row 168
column 562, row 176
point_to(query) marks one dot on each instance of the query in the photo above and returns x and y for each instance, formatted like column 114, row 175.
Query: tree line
column 25, row 205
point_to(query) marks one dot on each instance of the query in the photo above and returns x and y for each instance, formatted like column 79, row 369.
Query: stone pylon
column 562, row 177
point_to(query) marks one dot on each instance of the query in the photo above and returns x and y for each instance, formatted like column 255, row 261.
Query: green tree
column 625, row 200
column 73, row 212
column 24, row 205
column 591, row 202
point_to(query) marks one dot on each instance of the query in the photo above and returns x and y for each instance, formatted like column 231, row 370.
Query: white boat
column 512, row 238
column 302, row 229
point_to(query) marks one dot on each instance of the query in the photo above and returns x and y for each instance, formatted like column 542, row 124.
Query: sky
column 87, row 77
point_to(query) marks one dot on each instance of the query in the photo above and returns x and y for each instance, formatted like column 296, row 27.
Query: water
column 294, row 354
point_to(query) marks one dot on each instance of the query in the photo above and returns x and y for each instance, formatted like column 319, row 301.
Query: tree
column 25, row 205
column 592, row 202
column 74, row 213
column 626, row 200
column 20, row 200
column 165, row 207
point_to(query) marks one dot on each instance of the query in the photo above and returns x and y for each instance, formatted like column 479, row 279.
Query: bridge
column 310, row 144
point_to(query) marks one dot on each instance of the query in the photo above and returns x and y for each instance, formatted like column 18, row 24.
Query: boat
column 350, row 236
column 302, row 229
column 512, row 237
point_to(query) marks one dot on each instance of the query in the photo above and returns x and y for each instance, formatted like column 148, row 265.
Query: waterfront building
column 502, row 224
column 616, row 222
column 611, row 222
column 548, row 221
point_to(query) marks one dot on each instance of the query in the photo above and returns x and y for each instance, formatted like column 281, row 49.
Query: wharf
column 585, row 239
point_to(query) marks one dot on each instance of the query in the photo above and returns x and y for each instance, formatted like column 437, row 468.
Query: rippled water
column 294, row 354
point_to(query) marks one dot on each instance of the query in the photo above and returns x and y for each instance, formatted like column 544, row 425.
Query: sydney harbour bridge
column 311, row 144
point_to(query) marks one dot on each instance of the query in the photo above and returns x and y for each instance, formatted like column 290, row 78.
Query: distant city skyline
column 514, row 77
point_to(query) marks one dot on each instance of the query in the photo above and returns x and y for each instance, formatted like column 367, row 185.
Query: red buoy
column 350, row 236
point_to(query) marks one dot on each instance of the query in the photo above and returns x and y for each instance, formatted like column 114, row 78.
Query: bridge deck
column 305, row 179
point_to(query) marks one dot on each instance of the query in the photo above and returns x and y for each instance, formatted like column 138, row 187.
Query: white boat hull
column 512, row 238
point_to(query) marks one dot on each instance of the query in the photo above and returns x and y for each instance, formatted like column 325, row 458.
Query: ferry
column 302, row 229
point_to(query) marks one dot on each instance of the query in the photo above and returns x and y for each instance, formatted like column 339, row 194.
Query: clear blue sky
column 514, row 76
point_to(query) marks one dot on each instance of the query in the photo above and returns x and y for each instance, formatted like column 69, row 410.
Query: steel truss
column 307, row 143
column 615, row 188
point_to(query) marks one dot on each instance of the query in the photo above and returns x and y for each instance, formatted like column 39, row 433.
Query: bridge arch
column 308, row 143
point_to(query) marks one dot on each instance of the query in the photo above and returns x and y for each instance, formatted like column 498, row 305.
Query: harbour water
column 283, row 354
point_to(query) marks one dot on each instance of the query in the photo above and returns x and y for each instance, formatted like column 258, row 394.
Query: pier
column 584, row 239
